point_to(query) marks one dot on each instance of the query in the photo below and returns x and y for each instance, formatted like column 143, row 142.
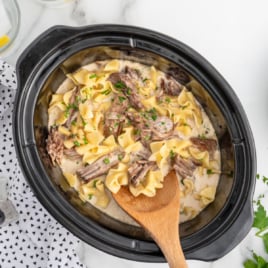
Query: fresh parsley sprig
column 261, row 224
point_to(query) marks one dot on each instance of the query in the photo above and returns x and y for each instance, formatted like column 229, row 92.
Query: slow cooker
column 61, row 50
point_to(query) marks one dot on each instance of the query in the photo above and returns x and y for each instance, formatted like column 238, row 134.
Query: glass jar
column 9, row 23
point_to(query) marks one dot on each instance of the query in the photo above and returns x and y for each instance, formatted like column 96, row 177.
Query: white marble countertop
column 232, row 35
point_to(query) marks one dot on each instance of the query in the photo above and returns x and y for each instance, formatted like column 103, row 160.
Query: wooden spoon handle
column 166, row 235
column 171, row 247
column 173, row 253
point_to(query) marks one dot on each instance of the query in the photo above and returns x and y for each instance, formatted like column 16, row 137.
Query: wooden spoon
column 159, row 215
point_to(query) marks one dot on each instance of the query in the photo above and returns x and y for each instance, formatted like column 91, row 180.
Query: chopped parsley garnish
column 95, row 183
column 168, row 100
column 72, row 106
column 120, row 84
column 152, row 113
column 85, row 140
column 154, row 117
column 147, row 137
column 209, row 171
column 128, row 92
column 137, row 132
column 106, row 92
column 90, row 196
column 172, row 154
column 184, row 106
column 121, row 98
column 144, row 80
column 73, row 123
column 202, row 136
column 116, row 124
column 106, row 161
column 120, row 157
column 83, row 121
column 77, row 143
column 67, row 113
column 92, row 76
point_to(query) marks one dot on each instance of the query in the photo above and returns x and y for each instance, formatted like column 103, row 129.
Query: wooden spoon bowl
column 159, row 215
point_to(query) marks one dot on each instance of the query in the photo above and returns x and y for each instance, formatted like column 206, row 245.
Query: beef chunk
column 55, row 146
column 184, row 167
column 100, row 166
column 138, row 170
column 125, row 83
column 170, row 86
column 204, row 144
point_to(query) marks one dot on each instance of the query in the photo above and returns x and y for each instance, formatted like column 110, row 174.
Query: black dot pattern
column 36, row 239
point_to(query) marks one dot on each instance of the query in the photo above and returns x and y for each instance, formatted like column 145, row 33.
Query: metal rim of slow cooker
column 197, row 65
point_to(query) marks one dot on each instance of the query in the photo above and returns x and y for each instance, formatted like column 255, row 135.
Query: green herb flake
column 90, row 196
column 106, row 92
column 121, row 99
column 172, row 154
column 257, row 176
column 106, row 161
column 92, row 76
column 154, row 117
column 83, row 121
column 184, row 106
column 85, row 140
column 77, row 143
column 73, row 123
column 209, row 171
column 120, row 157
column 120, row 85
column 153, row 113
column 67, row 113
column 95, row 183
column 137, row 132
column 144, row 80
column 116, row 124
column 68, row 109
column 147, row 137
column 168, row 100
column 202, row 136
column 128, row 92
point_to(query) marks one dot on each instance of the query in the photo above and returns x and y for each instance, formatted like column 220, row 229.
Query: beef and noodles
column 119, row 123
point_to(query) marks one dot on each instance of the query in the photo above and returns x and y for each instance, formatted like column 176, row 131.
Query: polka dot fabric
column 36, row 240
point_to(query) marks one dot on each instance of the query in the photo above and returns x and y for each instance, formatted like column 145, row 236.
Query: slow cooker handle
column 226, row 242
column 41, row 46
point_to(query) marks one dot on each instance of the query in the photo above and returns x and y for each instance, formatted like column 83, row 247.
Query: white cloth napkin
column 36, row 239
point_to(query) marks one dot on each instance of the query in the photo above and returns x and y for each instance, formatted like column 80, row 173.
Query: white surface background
column 232, row 35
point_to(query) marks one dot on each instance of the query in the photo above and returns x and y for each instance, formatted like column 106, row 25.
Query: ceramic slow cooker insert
column 60, row 50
